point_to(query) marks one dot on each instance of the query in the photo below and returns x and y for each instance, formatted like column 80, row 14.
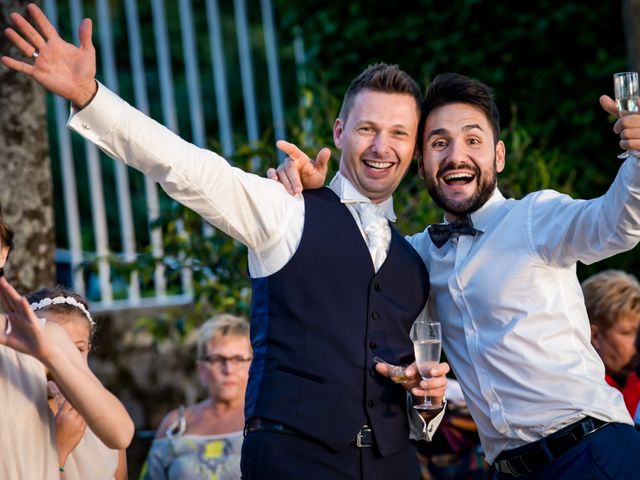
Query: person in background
column 27, row 350
column 612, row 298
column 80, row 451
column 203, row 441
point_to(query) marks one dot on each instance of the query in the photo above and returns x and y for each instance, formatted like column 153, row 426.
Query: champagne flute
column 427, row 344
column 626, row 90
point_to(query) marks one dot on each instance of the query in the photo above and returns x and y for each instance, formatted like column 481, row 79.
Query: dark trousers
column 611, row 453
column 271, row 456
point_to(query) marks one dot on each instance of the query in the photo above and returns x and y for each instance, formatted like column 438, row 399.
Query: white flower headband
column 47, row 302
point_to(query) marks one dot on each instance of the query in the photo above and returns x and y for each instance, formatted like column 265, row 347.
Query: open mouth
column 377, row 165
column 458, row 178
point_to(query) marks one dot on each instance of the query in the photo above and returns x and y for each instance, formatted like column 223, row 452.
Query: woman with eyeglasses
column 203, row 441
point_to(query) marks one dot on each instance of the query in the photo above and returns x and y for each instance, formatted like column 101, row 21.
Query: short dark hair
column 380, row 77
column 449, row 88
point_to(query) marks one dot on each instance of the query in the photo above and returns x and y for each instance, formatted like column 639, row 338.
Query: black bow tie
column 440, row 233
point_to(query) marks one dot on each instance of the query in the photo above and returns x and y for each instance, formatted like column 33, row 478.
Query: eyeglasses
column 219, row 360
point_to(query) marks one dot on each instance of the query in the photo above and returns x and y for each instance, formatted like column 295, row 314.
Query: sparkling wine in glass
column 626, row 90
column 427, row 345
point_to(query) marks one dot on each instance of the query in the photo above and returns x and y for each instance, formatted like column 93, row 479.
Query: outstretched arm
column 60, row 67
column 564, row 231
column 102, row 411
column 298, row 171
column 245, row 206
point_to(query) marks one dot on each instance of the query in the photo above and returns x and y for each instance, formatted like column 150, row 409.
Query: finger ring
column 35, row 54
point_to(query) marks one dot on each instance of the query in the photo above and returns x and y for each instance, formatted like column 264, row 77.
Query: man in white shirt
column 504, row 286
column 315, row 404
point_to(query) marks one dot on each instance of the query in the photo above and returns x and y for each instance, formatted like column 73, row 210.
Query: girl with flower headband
column 80, row 452
column 28, row 346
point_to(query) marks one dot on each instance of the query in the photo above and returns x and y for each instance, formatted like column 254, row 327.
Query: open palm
column 60, row 67
column 26, row 335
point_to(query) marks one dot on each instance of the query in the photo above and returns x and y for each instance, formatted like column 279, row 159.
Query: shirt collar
column 344, row 189
column 485, row 215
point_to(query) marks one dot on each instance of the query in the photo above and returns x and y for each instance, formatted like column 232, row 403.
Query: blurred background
column 234, row 76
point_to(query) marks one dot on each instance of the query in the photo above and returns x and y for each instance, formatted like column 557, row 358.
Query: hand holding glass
column 626, row 90
column 427, row 342
column 397, row 373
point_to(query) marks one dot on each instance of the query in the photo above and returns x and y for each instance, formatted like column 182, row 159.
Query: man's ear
column 337, row 133
column 595, row 337
column 501, row 154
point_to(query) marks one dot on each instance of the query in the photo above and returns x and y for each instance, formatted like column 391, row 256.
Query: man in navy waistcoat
column 334, row 284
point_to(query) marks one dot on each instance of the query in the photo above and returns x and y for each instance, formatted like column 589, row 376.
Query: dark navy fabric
column 270, row 455
column 610, row 453
column 317, row 324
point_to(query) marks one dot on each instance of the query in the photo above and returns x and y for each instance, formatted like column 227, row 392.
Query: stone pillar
column 26, row 190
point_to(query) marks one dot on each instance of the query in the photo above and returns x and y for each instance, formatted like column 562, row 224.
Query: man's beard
column 459, row 208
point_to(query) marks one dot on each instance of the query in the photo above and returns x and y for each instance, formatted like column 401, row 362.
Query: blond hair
column 609, row 295
column 220, row 326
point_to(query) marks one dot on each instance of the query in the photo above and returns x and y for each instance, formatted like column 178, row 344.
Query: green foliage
column 550, row 59
column 547, row 61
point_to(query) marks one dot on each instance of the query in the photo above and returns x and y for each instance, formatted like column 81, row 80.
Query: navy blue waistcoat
column 317, row 324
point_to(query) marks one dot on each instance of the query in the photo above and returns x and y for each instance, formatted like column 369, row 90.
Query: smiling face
column 377, row 141
column 461, row 159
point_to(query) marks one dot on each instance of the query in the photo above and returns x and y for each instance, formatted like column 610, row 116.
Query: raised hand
column 298, row 171
column 26, row 335
column 627, row 126
column 59, row 66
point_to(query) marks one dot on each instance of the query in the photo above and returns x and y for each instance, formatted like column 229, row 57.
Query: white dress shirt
column 515, row 328
column 256, row 211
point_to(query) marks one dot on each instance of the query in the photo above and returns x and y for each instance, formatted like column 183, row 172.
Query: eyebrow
column 375, row 124
column 444, row 131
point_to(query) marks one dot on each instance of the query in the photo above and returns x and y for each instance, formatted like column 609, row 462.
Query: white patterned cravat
column 377, row 231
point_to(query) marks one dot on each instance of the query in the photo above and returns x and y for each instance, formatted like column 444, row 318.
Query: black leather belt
column 263, row 425
column 364, row 438
column 533, row 456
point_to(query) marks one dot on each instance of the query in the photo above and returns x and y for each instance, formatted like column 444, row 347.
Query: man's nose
column 380, row 144
column 457, row 151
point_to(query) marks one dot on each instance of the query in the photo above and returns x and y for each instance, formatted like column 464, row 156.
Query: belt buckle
column 508, row 466
column 360, row 436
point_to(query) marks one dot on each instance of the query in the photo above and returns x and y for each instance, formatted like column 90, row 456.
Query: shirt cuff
column 419, row 428
column 99, row 116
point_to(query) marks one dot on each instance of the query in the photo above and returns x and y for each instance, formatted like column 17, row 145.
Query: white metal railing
column 74, row 253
